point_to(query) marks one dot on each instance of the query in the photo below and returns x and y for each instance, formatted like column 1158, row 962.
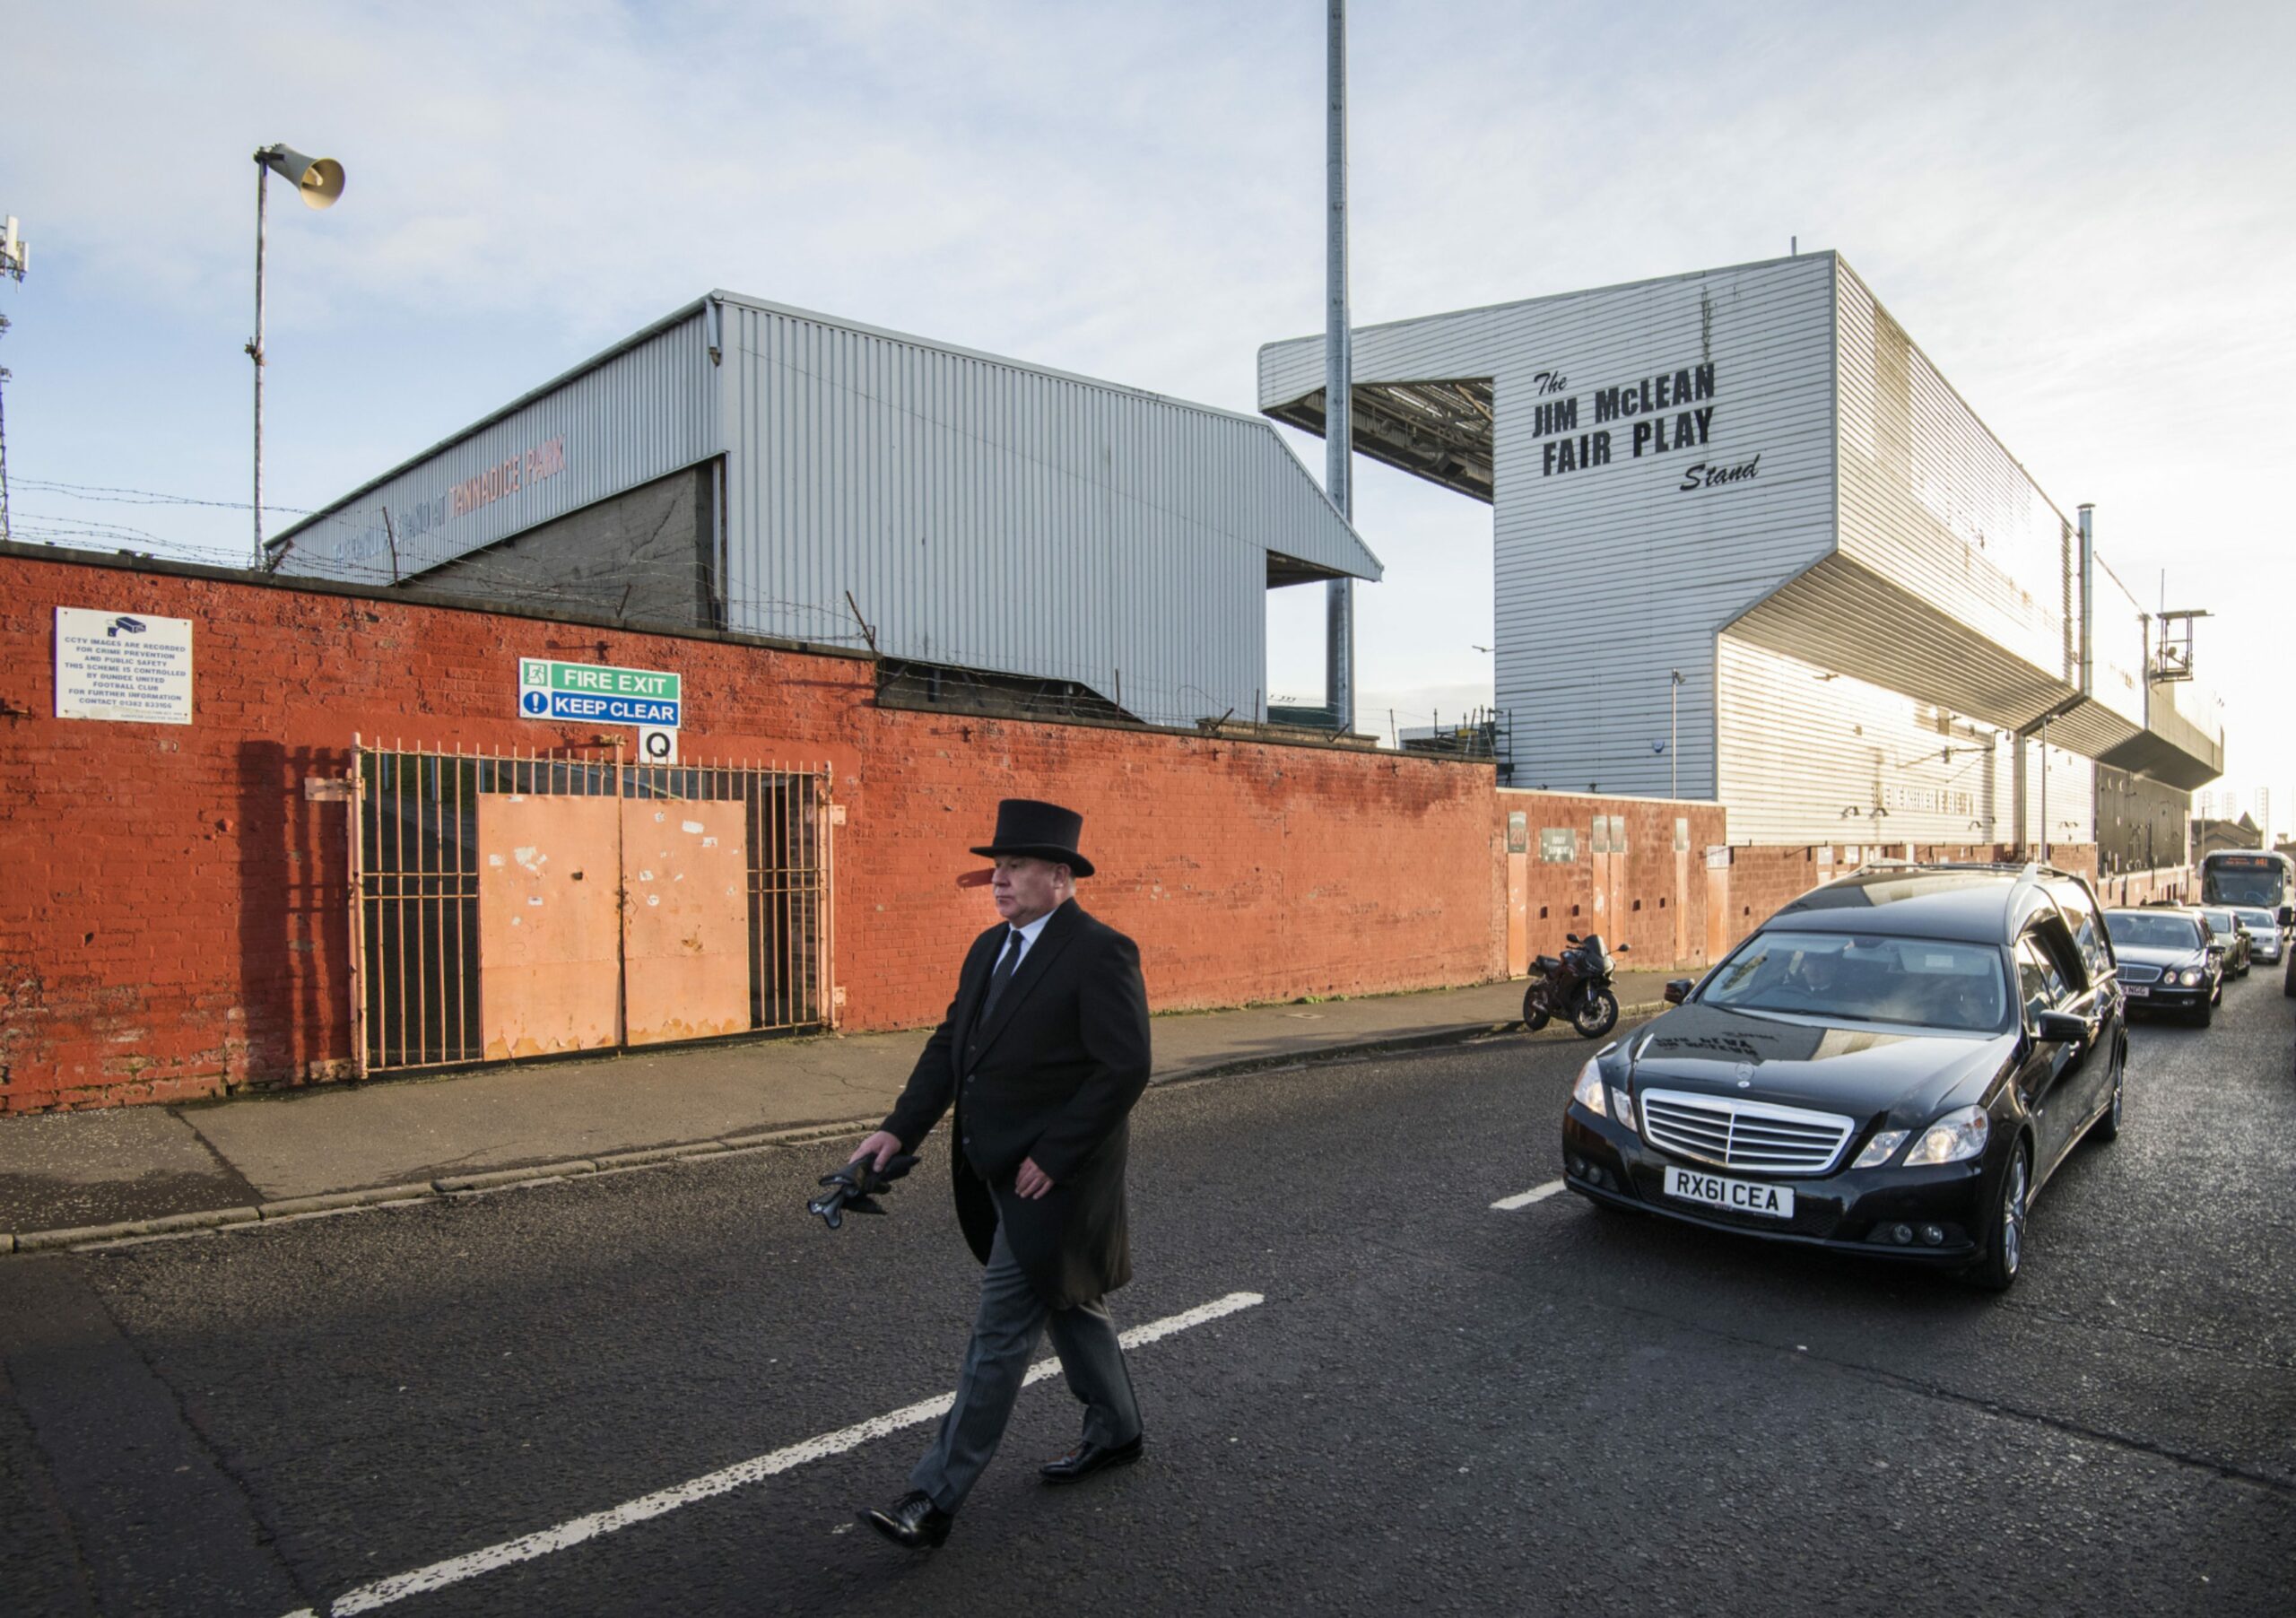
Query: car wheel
column 2108, row 1125
column 2005, row 1248
column 1534, row 1016
column 1596, row 1014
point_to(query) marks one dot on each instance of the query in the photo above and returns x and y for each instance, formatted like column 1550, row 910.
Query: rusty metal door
column 549, row 967
column 522, row 906
column 685, row 920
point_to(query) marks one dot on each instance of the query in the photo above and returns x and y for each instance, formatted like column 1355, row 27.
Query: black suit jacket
column 1050, row 1075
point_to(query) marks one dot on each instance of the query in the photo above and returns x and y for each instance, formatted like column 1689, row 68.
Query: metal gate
column 515, row 905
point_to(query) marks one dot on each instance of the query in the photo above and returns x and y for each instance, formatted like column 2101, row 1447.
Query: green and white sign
column 596, row 693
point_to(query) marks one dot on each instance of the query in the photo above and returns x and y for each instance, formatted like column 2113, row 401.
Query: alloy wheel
column 2012, row 1217
column 1596, row 1014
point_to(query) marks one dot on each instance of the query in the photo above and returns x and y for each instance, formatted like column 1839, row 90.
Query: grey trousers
column 1005, row 1335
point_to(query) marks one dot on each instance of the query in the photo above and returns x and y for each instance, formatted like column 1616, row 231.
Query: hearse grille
column 1752, row 1135
column 2132, row 973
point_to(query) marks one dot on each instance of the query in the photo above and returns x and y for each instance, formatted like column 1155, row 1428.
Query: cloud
column 2078, row 212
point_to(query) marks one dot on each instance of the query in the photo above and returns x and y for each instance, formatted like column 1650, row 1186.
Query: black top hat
column 1039, row 831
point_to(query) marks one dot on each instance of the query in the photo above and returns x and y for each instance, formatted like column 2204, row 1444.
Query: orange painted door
column 1718, row 913
column 1518, row 913
column 549, row 956
column 1613, row 915
column 685, row 937
column 1679, row 901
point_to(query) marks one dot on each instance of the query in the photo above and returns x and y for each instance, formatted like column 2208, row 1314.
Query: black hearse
column 1891, row 1065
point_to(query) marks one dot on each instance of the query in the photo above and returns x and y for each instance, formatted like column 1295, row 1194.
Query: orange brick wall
column 174, row 917
column 1632, row 899
column 2178, row 883
column 1762, row 878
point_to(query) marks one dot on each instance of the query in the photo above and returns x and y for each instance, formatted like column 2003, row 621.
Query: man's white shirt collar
column 1028, row 936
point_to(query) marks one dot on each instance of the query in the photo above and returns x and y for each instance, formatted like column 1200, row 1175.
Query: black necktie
column 1003, row 975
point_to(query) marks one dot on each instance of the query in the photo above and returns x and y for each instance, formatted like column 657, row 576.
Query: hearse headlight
column 2190, row 976
column 1589, row 1090
column 1880, row 1149
column 1953, row 1138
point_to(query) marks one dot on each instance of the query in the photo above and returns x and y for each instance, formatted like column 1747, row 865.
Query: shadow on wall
column 291, row 1023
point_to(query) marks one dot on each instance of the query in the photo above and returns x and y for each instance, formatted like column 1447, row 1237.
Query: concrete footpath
column 72, row 1178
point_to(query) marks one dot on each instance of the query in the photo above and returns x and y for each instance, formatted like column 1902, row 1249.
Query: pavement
column 71, row 1178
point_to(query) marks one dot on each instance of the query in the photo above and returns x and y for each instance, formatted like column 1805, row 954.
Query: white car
column 2269, row 939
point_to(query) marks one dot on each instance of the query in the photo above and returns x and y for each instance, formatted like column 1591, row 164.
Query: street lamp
column 319, row 182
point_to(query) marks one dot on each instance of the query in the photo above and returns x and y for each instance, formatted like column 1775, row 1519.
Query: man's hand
column 1031, row 1182
column 879, row 1149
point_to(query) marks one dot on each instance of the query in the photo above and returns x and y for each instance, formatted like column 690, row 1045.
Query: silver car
column 2268, row 940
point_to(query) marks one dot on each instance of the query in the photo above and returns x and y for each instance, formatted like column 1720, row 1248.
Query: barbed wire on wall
column 109, row 495
column 642, row 595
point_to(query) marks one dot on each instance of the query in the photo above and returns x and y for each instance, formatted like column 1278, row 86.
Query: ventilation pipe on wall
column 2088, row 600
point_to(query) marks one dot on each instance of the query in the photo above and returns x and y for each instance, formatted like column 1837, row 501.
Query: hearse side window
column 2040, row 983
column 2088, row 932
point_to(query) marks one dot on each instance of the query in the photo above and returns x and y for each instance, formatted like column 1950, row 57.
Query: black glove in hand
column 854, row 1188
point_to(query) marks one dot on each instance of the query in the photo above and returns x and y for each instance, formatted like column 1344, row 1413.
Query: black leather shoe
column 1087, row 1458
column 914, row 1523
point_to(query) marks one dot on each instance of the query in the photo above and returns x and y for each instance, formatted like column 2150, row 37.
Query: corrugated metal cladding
column 1618, row 558
column 1823, row 497
column 998, row 516
column 1932, row 501
column 639, row 411
column 2118, row 648
column 1852, row 749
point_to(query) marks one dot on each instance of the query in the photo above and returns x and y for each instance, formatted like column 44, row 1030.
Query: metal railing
column 416, row 927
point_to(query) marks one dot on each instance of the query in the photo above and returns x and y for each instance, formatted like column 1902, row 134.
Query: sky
column 2081, row 214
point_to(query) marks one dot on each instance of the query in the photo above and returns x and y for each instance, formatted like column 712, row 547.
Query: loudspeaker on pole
column 317, row 180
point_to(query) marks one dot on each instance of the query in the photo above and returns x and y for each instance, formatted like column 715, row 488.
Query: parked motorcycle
column 1576, row 985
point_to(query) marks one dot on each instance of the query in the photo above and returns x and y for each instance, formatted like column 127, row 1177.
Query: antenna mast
column 15, row 258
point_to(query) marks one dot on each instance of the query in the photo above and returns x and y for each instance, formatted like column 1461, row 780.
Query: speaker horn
column 317, row 180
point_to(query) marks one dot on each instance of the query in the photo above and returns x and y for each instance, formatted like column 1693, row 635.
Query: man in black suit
column 1042, row 1053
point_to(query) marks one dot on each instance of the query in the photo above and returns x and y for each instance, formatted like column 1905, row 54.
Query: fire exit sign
column 598, row 694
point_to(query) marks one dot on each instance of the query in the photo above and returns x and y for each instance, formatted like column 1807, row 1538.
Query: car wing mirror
column 2060, row 1028
column 1678, row 991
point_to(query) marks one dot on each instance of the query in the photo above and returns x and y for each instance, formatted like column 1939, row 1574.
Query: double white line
column 544, row 1541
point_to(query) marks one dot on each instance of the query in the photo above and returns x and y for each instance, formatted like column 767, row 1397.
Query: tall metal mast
column 1339, row 433
column 15, row 258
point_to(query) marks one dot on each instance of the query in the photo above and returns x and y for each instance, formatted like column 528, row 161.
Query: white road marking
column 526, row 1547
column 1507, row 1205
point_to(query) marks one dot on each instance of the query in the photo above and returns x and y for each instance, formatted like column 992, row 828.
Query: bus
column 2245, row 877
